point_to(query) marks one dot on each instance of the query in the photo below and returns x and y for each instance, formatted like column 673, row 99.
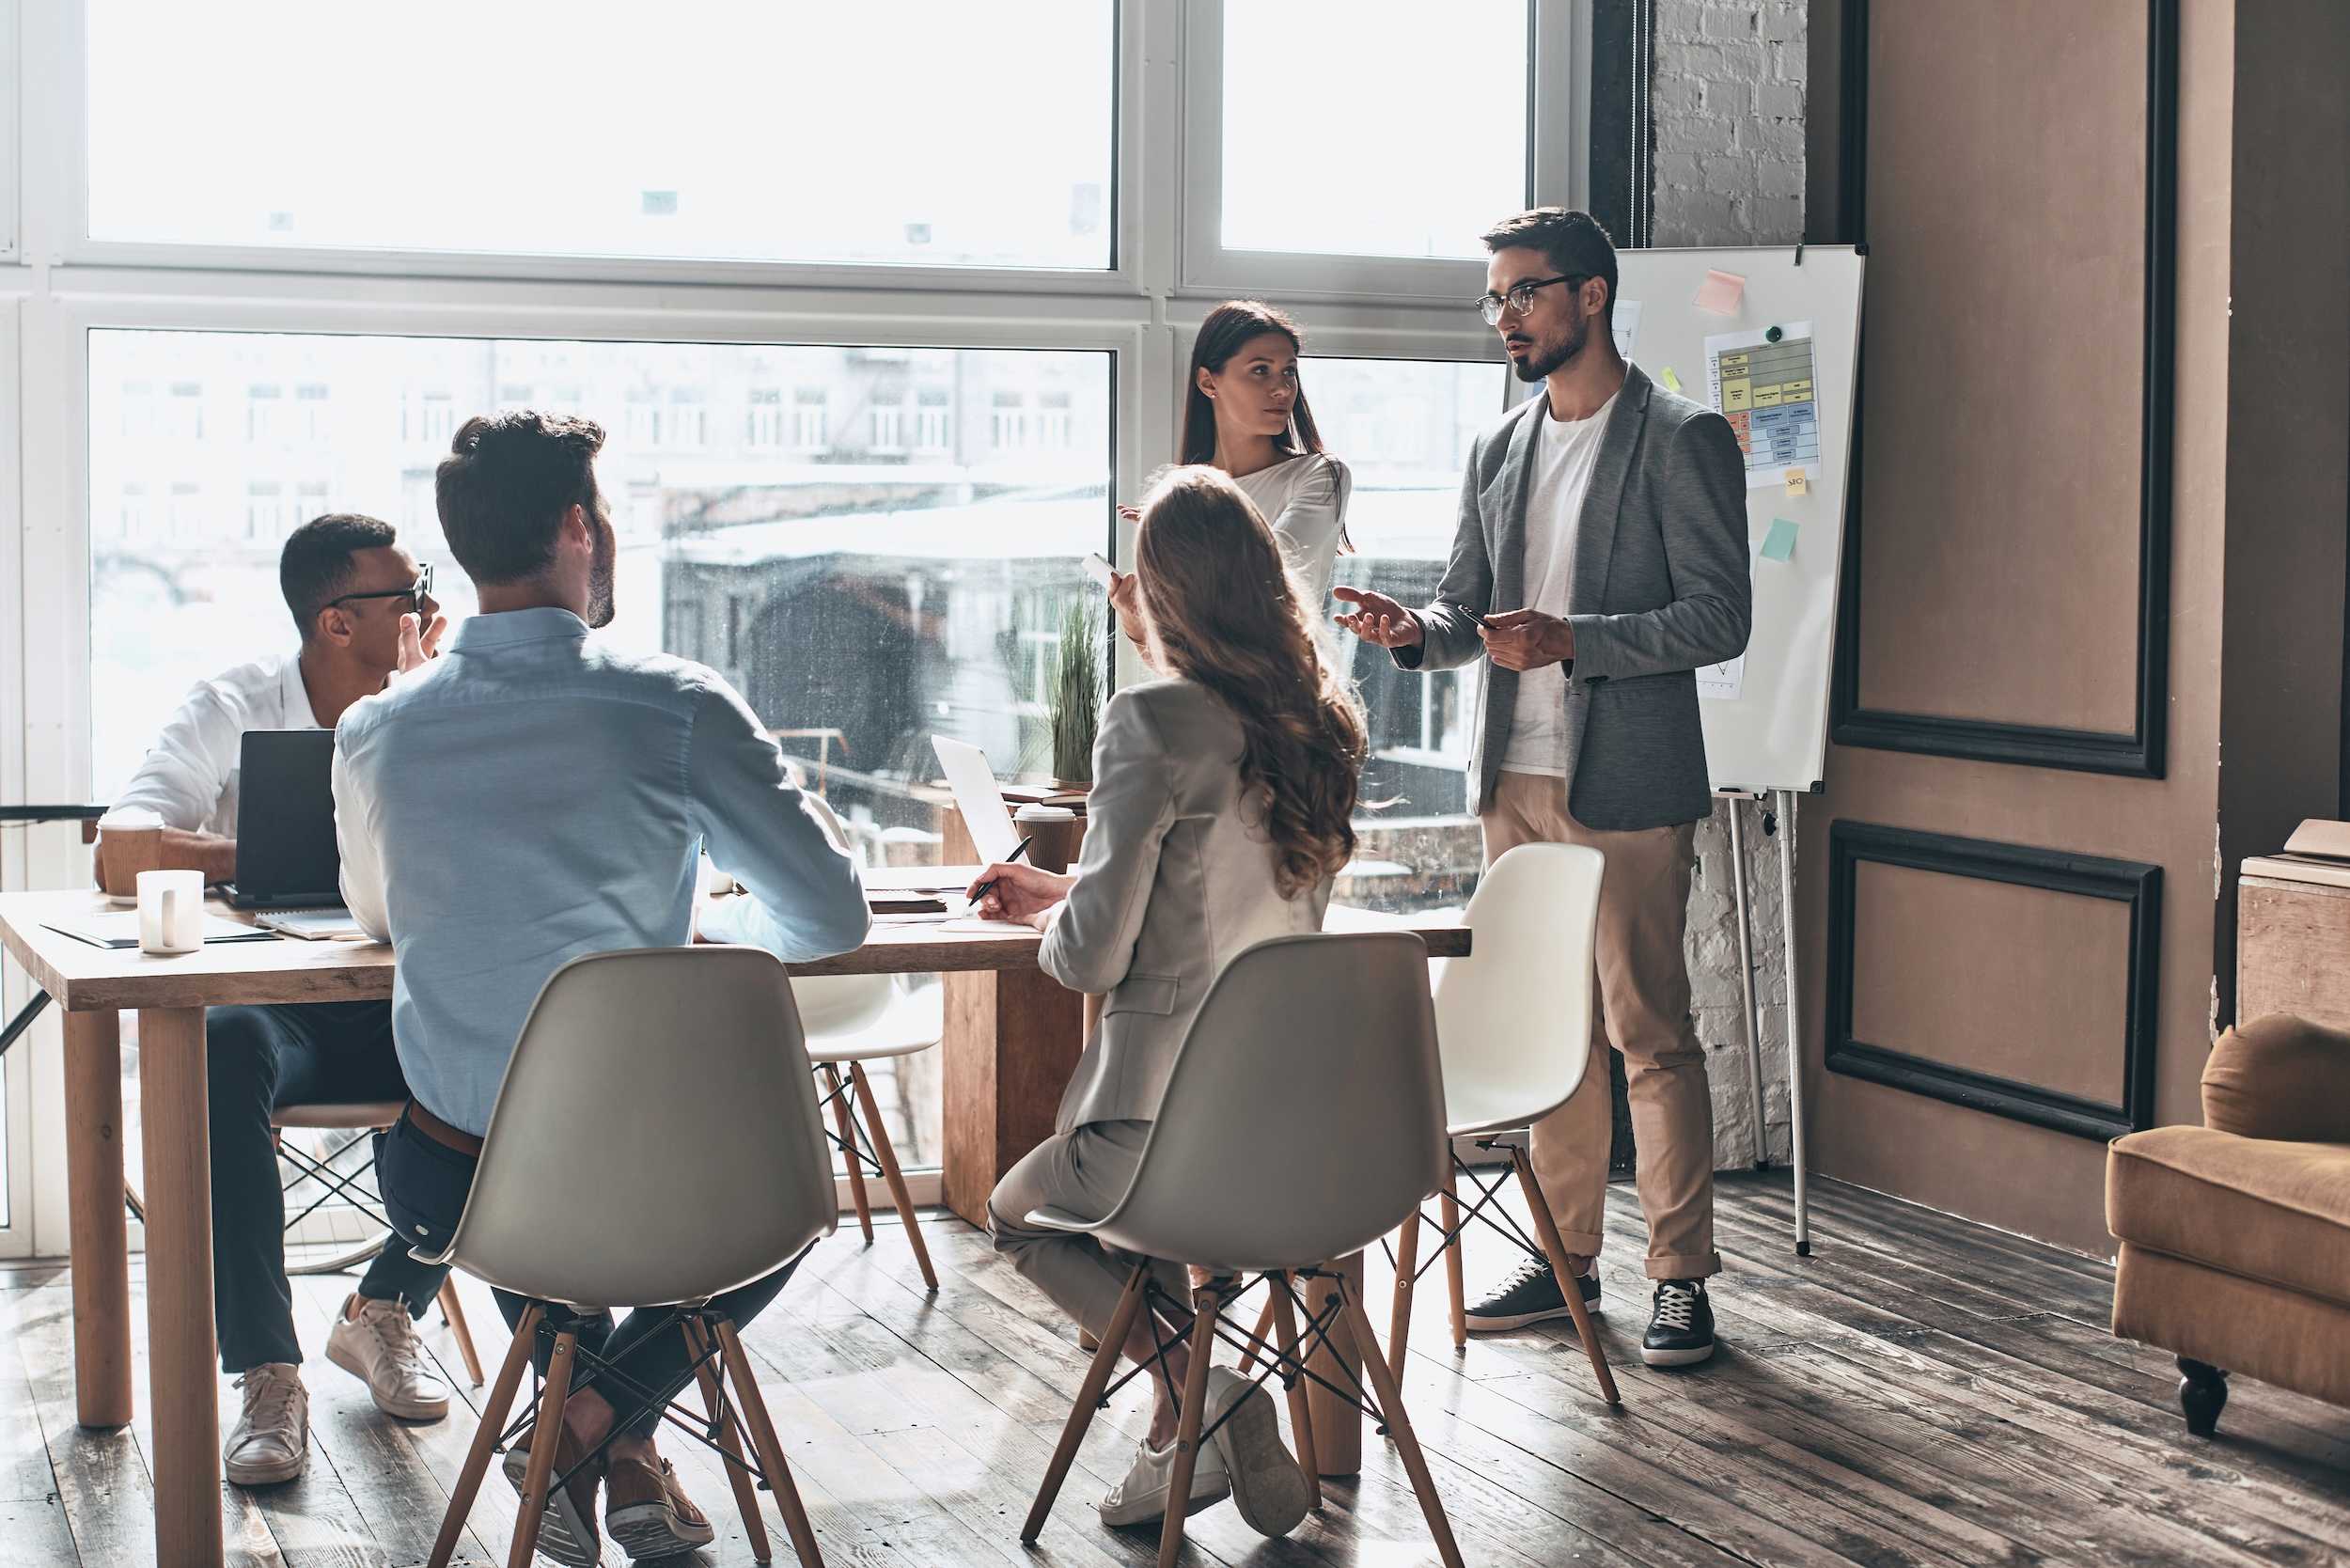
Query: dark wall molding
column 2138, row 752
column 2130, row 882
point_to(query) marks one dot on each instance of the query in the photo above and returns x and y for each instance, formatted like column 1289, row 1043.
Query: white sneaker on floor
column 1268, row 1488
column 1142, row 1496
column 271, row 1441
column 381, row 1349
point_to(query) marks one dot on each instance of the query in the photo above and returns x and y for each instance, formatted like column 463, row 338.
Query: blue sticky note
column 1779, row 543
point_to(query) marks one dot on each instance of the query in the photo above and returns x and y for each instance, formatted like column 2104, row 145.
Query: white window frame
column 1558, row 127
column 58, row 286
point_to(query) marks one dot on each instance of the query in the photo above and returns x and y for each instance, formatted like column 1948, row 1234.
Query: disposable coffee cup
column 129, row 841
column 1052, row 833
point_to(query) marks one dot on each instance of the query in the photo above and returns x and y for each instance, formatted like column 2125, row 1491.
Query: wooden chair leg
column 1264, row 1329
column 1548, row 1227
column 1301, row 1409
column 485, row 1438
column 729, row 1441
column 454, row 1313
column 1089, row 1395
column 1399, row 1313
column 770, row 1450
column 847, row 1135
column 887, row 1155
column 1390, row 1400
column 1451, row 1212
column 545, row 1437
column 1205, row 1308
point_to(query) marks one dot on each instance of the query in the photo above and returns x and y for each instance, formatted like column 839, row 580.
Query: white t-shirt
column 1565, row 453
column 1303, row 498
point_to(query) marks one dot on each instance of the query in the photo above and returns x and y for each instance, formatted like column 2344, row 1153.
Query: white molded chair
column 851, row 1020
column 656, row 1141
column 1233, row 1180
column 1513, row 1025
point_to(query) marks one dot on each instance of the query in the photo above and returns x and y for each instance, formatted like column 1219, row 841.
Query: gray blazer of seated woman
column 1222, row 797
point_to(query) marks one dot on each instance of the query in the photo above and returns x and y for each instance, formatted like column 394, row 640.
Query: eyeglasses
column 1520, row 299
column 416, row 592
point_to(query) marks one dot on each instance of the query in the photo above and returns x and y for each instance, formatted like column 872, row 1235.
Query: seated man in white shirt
column 349, row 586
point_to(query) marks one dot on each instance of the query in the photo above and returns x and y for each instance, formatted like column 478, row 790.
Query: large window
column 879, row 307
column 933, row 132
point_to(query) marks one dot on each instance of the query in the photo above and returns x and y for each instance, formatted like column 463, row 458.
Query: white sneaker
column 1142, row 1496
column 1268, row 1488
column 271, row 1441
column 379, row 1348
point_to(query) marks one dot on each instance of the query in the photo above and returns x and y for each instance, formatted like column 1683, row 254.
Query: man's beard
column 1534, row 367
column 601, row 570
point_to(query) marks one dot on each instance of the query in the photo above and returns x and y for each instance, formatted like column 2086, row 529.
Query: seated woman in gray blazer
column 1222, row 797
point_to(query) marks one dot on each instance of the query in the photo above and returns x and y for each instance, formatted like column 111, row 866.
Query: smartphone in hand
column 1099, row 570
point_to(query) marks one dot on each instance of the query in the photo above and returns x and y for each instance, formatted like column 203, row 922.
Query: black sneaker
column 1681, row 1329
column 1527, row 1294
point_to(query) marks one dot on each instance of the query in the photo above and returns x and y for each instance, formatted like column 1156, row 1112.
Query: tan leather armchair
column 2235, row 1235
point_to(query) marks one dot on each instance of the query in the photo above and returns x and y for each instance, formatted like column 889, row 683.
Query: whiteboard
column 1773, row 733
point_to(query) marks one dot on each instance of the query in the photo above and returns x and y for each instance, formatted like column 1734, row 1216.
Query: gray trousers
column 1084, row 1171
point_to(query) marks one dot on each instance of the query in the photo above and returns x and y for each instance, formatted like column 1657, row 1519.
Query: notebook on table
column 119, row 928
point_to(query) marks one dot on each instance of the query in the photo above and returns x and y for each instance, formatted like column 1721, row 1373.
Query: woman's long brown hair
column 1225, row 614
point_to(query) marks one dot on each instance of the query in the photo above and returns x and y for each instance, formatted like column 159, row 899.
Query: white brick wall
column 1728, row 105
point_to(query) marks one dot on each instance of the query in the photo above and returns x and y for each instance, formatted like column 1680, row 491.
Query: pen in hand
column 984, row 889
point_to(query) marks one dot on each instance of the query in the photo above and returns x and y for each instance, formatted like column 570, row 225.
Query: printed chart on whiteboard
column 1762, row 383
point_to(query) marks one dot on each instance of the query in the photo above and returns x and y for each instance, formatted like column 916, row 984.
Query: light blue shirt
column 530, row 796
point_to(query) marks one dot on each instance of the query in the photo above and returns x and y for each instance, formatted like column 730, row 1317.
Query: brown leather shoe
column 647, row 1511
column 567, row 1534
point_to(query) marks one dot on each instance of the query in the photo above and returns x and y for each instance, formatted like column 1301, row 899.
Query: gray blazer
column 1660, row 585
column 1175, row 879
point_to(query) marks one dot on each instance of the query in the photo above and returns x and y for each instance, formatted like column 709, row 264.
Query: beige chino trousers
column 1640, row 1007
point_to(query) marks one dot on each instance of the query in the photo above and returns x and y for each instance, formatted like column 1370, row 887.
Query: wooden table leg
column 102, row 1257
column 1012, row 1038
column 1337, row 1425
column 183, row 1378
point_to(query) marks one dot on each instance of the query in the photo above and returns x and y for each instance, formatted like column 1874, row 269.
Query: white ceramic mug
column 171, row 912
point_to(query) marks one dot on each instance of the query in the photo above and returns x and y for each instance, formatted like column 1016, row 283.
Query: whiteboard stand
column 1737, row 799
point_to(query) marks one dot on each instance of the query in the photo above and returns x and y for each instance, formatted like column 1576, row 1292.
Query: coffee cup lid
column 1038, row 812
column 128, row 818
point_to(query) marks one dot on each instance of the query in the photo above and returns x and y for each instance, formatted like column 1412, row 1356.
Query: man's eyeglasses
column 1520, row 299
column 416, row 592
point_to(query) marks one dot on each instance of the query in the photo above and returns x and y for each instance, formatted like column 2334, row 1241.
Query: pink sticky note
column 1720, row 293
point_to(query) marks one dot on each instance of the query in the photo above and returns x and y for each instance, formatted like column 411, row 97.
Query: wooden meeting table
column 1013, row 1036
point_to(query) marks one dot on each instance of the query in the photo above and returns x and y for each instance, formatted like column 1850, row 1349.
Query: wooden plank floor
column 1921, row 1391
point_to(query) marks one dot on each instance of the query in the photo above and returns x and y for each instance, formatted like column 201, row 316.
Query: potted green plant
column 1075, row 698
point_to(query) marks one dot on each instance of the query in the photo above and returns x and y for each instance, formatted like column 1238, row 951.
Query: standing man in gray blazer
column 1601, row 560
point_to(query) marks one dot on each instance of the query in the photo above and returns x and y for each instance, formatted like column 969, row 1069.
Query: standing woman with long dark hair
column 1244, row 411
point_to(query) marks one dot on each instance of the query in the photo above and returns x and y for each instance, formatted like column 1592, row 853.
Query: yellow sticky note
column 1798, row 482
column 1672, row 383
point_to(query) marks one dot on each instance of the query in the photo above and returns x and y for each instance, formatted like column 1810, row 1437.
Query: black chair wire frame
column 1488, row 1208
column 1172, row 1321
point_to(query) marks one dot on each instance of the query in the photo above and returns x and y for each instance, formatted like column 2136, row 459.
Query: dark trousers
column 256, row 1060
column 425, row 1182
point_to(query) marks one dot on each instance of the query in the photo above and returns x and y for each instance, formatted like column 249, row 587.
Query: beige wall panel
column 2002, row 366
column 2024, row 1178
column 2018, row 982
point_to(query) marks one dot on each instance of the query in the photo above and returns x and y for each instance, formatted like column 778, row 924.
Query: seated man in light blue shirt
column 532, row 796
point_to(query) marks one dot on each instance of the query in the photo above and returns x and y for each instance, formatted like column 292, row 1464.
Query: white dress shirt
column 189, row 777
column 1303, row 498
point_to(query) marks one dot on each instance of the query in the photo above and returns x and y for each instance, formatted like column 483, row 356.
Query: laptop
column 287, row 857
column 979, row 797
